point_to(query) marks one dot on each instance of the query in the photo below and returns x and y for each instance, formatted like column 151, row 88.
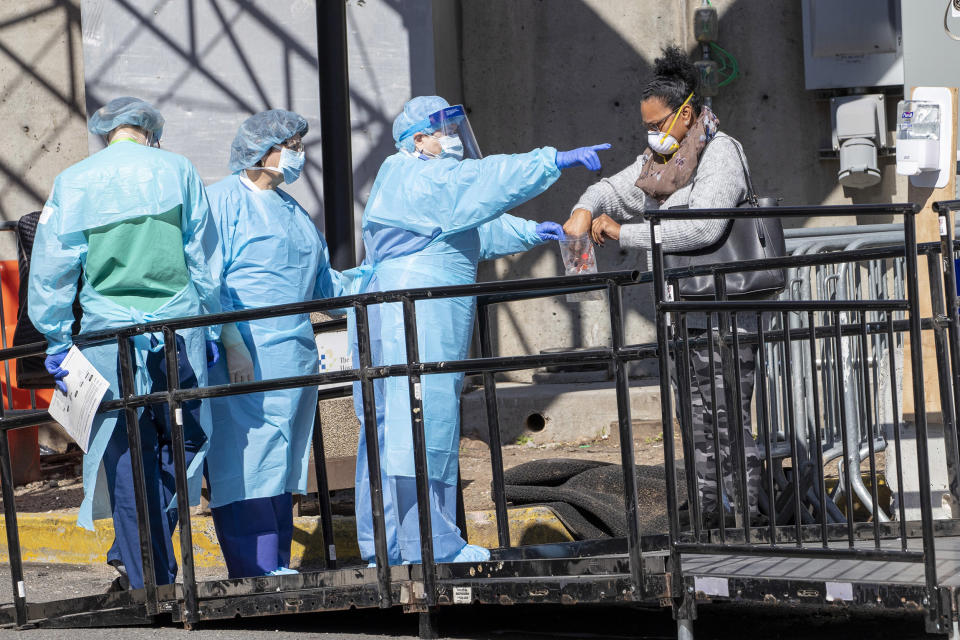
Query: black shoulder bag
column 744, row 239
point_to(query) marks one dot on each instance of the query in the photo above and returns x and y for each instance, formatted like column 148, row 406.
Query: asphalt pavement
column 720, row 622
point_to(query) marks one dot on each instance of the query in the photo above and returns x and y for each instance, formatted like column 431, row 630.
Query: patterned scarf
column 659, row 178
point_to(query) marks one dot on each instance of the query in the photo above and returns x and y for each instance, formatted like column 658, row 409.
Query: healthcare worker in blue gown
column 272, row 254
column 435, row 210
column 133, row 222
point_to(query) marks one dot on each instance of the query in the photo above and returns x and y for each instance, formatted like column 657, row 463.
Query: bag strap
column 751, row 194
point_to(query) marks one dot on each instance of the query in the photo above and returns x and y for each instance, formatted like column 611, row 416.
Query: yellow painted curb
column 48, row 538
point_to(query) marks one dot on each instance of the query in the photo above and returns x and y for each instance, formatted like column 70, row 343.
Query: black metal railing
column 628, row 559
column 848, row 317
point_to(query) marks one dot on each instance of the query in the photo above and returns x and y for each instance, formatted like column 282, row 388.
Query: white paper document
column 74, row 410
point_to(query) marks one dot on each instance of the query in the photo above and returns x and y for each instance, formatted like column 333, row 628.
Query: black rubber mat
column 587, row 495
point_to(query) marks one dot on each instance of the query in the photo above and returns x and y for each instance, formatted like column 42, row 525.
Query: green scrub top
column 138, row 263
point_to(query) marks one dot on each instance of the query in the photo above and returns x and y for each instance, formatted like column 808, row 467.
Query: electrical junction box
column 852, row 43
column 859, row 131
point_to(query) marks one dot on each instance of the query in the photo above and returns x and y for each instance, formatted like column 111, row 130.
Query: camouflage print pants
column 703, row 427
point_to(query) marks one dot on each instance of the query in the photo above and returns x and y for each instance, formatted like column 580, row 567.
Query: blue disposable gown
column 427, row 224
column 122, row 182
column 272, row 254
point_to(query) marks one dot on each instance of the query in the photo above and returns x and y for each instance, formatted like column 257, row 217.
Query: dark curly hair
column 675, row 77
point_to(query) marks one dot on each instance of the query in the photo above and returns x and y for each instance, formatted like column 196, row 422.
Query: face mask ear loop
column 673, row 122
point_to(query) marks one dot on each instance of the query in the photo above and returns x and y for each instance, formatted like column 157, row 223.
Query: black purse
column 744, row 239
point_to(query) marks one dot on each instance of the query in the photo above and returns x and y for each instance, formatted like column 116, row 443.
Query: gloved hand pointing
column 550, row 231
column 587, row 156
column 52, row 363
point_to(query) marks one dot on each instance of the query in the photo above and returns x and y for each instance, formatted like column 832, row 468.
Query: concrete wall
column 570, row 73
column 42, row 112
column 531, row 73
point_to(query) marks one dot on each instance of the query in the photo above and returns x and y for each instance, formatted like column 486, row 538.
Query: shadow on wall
column 209, row 64
column 41, row 97
column 536, row 76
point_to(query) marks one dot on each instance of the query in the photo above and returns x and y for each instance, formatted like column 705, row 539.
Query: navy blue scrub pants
column 255, row 535
column 156, row 450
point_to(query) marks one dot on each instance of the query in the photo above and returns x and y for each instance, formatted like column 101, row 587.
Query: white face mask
column 450, row 147
column 662, row 143
column 290, row 164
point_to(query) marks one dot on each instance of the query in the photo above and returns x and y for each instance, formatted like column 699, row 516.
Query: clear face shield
column 451, row 132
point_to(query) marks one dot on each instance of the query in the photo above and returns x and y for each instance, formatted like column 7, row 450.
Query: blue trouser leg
column 255, row 535
column 157, row 455
column 283, row 512
column 113, row 555
column 443, row 518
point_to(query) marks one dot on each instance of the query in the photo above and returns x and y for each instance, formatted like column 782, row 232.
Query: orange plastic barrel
column 24, row 445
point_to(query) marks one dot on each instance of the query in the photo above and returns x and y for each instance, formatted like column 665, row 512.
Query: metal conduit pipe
column 840, row 241
column 852, row 467
column 810, row 232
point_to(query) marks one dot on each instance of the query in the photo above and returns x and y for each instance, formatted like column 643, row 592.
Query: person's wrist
column 579, row 222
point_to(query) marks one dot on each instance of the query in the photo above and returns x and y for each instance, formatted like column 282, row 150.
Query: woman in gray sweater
column 690, row 164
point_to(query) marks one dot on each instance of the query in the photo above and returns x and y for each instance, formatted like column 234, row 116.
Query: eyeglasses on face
column 656, row 126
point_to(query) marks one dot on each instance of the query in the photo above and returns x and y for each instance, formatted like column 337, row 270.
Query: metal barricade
column 877, row 279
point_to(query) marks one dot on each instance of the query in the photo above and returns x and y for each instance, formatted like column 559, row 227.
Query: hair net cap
column 413, row 112
column 261, row 131
column 126, row 110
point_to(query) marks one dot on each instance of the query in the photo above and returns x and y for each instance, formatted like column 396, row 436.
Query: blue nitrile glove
column 52, row 363
column 587, row 156
column 550, row 231
column 213, row 353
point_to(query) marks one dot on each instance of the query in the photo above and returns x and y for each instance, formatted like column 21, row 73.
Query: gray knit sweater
column 717, row 183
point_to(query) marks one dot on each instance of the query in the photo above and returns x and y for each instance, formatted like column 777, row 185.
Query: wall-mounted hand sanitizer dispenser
column 918, row 137
column 923, row 138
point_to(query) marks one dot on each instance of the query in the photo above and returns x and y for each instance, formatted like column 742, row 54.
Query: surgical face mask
column 290, row 165
column 450, row 147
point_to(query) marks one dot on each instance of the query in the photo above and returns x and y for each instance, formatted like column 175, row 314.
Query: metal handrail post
column 370, row 430
column 625, row 425
column 685, row 410
column 13, row 533
column 128, row 392
column 323, row 492
column 493, row 429
column 190, row 612
column 666, row 413
column 920, row 415
column 428, row 563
